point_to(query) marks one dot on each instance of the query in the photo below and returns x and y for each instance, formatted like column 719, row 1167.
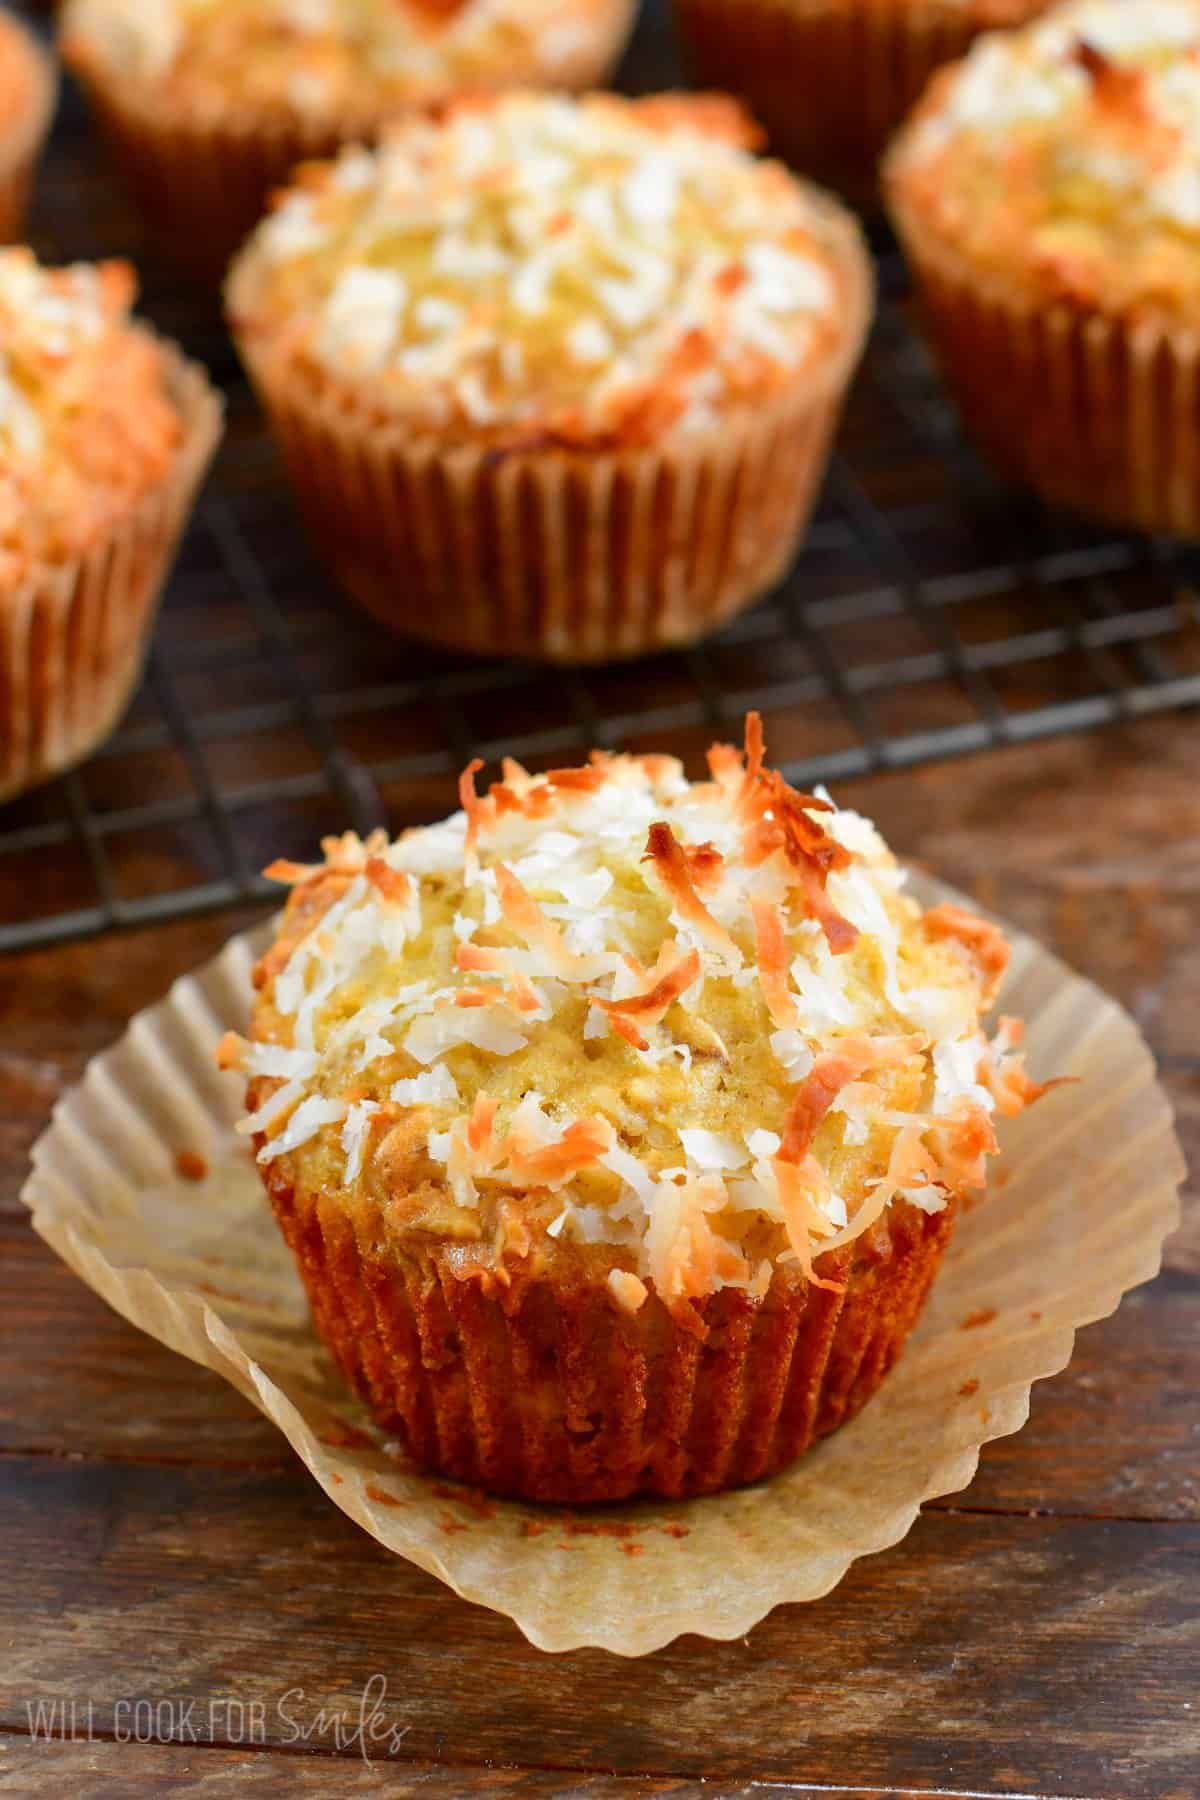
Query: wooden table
column 1034, row 1635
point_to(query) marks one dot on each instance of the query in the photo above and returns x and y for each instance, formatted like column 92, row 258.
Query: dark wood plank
column 112, row 1771
column 985, row 1654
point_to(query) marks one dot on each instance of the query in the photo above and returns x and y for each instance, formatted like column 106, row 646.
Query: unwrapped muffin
column 208, row 104
column 105, row 433
column 555, row 378
column 618, row 1125
column 832, row 79
column 1047, row 193
column 27, row 93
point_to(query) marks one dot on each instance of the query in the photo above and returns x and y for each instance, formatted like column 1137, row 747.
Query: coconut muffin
column 27, row 94
column 832, row 79
column 1048, row 195
column 104, row 435
column 208, row 104
column 554, row 378
column 618, row 1124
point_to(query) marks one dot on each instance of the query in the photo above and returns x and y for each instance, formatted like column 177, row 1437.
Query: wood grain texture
column 111, row 1771
column 1035, row 1635
column 954, row 1661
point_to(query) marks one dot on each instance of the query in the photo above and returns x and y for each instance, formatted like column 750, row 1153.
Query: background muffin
column 617, row 1124
column 104, row 435
column 27, row 93
column 554, row 378
column 832, row 79
column 208, row 104
column 1048, row 195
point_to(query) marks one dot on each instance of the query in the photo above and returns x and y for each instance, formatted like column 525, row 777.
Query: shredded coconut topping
column 1072, row 148
column 85, row 422
column 537, row 266
column 337, row 56
column 614, row 912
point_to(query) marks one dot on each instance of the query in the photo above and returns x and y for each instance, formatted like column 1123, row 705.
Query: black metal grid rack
column 930, row 615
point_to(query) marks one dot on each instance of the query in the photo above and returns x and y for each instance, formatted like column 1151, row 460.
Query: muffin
column 618, row 1124
column 554, row 378
column 208, row 104
column 105, row 433
column 27, row 94
column 832, row 79
column 1047, row 193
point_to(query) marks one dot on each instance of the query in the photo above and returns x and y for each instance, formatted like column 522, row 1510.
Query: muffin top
column 341, row 57
column 86, row 422
column 695, row 1031
column 534, row 269
column 1064, row 159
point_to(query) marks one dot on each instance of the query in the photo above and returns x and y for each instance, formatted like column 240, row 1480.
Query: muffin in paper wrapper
column 1094, row 413
column 21, row 139
column 551, row 1392
column 200, row 183
column 832, row 79
column 560, row 555
column 1091, row 1193
column 73, row 635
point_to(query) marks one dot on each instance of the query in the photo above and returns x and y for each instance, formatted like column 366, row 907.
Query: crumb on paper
column 982, row 1316
column 191, row 1165
column 381, row 1495
column 968, row 1388
column 344, row 1437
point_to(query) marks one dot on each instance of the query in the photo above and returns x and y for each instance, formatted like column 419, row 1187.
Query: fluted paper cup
column 569, row 556
column 832, row 79
column 1092, row 1191
column 1094, row 413
column 73, row 635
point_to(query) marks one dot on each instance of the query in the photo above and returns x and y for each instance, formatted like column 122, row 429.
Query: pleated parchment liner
column 1088, row 1193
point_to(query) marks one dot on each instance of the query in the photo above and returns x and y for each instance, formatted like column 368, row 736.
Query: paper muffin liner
column 552, row 1393
column 21, row 139
column 832, row 79
column 1090, row 1193
column 561, row 555
column 201, row 182
column 73, row 635
column 1094, row 413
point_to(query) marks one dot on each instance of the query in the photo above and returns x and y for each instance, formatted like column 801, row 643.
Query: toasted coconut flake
column 907, row 1165
column 829, row 1075
column 772, row 951
column 669, row 857
column 289, row 873
column 984, row 943
column 803, row 1193
column 393, row 884
column 230, row 1051
column 673, row 974
column 1003, row 1073
column 525, row 918
column 551, row 1165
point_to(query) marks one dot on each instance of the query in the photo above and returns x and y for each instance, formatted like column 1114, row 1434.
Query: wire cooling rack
column 930, row 615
